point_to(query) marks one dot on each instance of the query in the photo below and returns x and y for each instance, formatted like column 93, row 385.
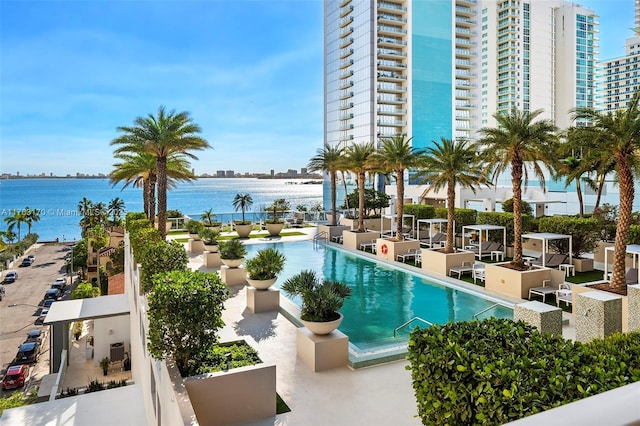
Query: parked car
column 52, row 293
column 43, row 315
column 46, row 304
column 25, row 262
column 11, row 277
column 27, row 353
column 16, row 376
column 60, row 280
column 34, row 335
column 32, row 258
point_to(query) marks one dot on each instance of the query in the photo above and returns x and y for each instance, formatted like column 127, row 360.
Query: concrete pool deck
column 378, row 395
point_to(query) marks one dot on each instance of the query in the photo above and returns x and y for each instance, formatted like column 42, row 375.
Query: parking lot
column 24, row 296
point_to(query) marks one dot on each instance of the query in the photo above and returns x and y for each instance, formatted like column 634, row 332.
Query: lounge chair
column 461, row 270
column 564, row 294
column 551, row 260
column 548, row 286
column 411, row 254
column 485, row 248
column 438, row 239
column 478, row 272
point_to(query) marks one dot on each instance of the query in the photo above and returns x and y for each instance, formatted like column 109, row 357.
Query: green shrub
column 463, row 217
column 585, row 233
column 504, row 219
column 136, row 224
column 496, row 371
column 634, row 234
column 525, row 208
column 140, row 237
column 130, row 216
column 420, row 211
column 241, row 355
column 160, row 256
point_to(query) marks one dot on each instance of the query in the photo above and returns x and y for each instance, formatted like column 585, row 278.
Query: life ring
column 384, row 249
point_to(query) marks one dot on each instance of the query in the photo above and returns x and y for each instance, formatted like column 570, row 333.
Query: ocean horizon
column 56, row 199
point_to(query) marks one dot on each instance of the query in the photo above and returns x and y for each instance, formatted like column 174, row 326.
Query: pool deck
column 378, row 395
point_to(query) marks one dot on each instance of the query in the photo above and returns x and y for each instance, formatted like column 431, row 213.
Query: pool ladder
column 320, row 236
column 409, row 322
column 477, row 314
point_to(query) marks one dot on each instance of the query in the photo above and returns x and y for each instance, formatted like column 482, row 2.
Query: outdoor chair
column 437, row 239
column 478, row 272
column 462, row 269
column 552, row 260
column 418, row 259
column 485, row 248
column 564, row 294
column 411, row 254
column 546, row 289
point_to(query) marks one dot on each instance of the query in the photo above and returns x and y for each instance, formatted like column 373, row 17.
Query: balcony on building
column 390, row 54
column 467, row 3
column 346, row 63
column 346, row 105
column 391, row 8
column 346, row 53
column 464, row 42
column 391, row 76
column 464, row 11
column 465, row 22
column 391, row 42
column 382, row 88
column 346, row 42
column 346, row 74
column 390, row 65
column 464, row 53
column 346, row 84
column 464, row 63
column 391, row 100
column 392, row 123
column 394, row 111
column 390, row 31
column 346, row 95
column 344, row 3
column 345, row 127
column 464, row 105
column 344, row 11
column 346, row 21
column 463, row 84
column 346, row 116
column 346, row 138
column 346, row 32
column 465, row 31
column 390, row 19
column 463, row 94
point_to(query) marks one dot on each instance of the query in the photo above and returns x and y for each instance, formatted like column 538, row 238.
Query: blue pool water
column 382, row 297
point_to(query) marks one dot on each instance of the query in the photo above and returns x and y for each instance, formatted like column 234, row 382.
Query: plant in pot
column 242, row 202
column 104, row 364
column 193, row 228
column 210, row 239
column 275, row 225
column 207, row 219
column 321, row 300
column 232, row 252
column 264, row 267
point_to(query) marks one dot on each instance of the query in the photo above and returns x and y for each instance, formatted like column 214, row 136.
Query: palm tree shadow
column 259, row 326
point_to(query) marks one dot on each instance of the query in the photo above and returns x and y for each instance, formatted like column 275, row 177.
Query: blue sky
column 249, row 72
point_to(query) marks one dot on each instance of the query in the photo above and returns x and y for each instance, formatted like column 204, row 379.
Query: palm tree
column 618, row 134
column 208, row 217
column 356, row 161
column 162, row 135
column 396, row 155
column 516, row 141
column 448, row 164
column 115, row 208
column 242, row 202
column 8, row 235
column 16, row 219
column 32, row 216
column 329, row 160
column 572, row 168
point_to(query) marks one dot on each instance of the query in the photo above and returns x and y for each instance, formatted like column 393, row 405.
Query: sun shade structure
column 393, row 223
column 545, row 237
column 432, row 223
column 483, row 231
column 632, row 249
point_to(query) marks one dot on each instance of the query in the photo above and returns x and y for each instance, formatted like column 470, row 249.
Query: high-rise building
column 442, row 68
column 619, row 77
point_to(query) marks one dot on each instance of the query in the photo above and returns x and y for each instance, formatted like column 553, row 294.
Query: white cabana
column 393, row 223
column 483, row 231
column 632, row 249
column 545, row 237
column 432, row 223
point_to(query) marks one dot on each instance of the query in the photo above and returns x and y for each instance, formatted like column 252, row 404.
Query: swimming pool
column 383, row 297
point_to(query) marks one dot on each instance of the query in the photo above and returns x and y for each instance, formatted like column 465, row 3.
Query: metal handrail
column 485, row 310
column 409, row 322
column 322, row 235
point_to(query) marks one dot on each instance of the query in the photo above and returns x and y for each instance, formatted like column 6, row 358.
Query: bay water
column 56, row 199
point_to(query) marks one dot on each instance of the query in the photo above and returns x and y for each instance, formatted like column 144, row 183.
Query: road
column 27, row 293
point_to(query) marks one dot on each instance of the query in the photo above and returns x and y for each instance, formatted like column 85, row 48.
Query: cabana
column 545, row 237
column 632, row 249
column 483, row 232
column 432, row 222
column 393, row 223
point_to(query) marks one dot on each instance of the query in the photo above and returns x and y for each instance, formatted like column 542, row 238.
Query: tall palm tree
column 395, row 155
column 447, row 164
column 356, row 161
column 329, row 160
column 17, row 218
column 32, row 216
column 242, row 202
column 115, row 208
column 518, row 141
column 618, row 134
column 162, row 135
column 572, row 168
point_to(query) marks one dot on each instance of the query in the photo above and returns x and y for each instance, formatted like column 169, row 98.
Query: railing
column 320, row 236
column 409, row 322
column 485, row 310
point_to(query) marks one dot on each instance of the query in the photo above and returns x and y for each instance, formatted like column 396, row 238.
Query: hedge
column 463, row 217
column 634, row 234
column 420, row 211
column 504, row 219
column 585, row 233
column 496, row 371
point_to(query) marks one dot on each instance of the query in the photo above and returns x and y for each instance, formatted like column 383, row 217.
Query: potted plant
column 242, row 202
column 275, row 225
column 77, row 329
column 104, row 364
column 321, row 300
column 232, row 252
column 208, row 219
column 193, row 228
column 210, row 238
column 264, row 267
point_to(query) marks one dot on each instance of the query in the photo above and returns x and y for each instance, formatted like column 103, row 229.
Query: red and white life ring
column 384, row 249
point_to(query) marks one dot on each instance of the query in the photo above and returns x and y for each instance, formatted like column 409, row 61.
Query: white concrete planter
column 274, row 228
column 243, row 230
column 322, row 328
column 261, row 284
column 583, row 265
column 233, row 263
column 514, row 283
column 389, row 249
column 211, row 248
column 438, row 262
column 353, row 239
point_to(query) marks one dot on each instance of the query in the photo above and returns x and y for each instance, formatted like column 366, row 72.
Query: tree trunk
column 162, row 196
column 579, row 193
column 333, row 198
column 146, row 185
column 152, row 198
column 399, row 203
column 451, row 211
column 625, row 183
column 516, row 181
column 361, row 202
column 601, row 180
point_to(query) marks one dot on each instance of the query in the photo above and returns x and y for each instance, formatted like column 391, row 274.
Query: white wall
column 107, row 331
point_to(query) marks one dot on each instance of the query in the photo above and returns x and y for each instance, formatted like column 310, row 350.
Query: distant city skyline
column 249, row 72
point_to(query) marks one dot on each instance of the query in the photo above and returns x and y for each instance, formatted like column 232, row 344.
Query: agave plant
column 265, row 265
column 232, row 249
column 321, row 300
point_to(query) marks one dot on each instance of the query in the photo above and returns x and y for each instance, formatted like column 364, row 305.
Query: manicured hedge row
column 420, row 211
column 504, row 219
column 463, row 217
column 585, row 233
column 496, row 371
column 634, row 234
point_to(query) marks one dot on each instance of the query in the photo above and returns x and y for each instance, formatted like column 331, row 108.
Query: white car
column 59, row 283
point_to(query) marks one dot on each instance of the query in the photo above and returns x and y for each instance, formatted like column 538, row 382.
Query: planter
column 389, row 249
column 583, row 265
column 331, row 231
column 232, row 263
column 261, row 284
column 215, row 228
column 353, row 239
column 211, row 248
column 435, row 261
column 195, row 236
column 274, row 228
column 322, row 328
column 577, row 289
column 243, row 230
column 514, row 283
